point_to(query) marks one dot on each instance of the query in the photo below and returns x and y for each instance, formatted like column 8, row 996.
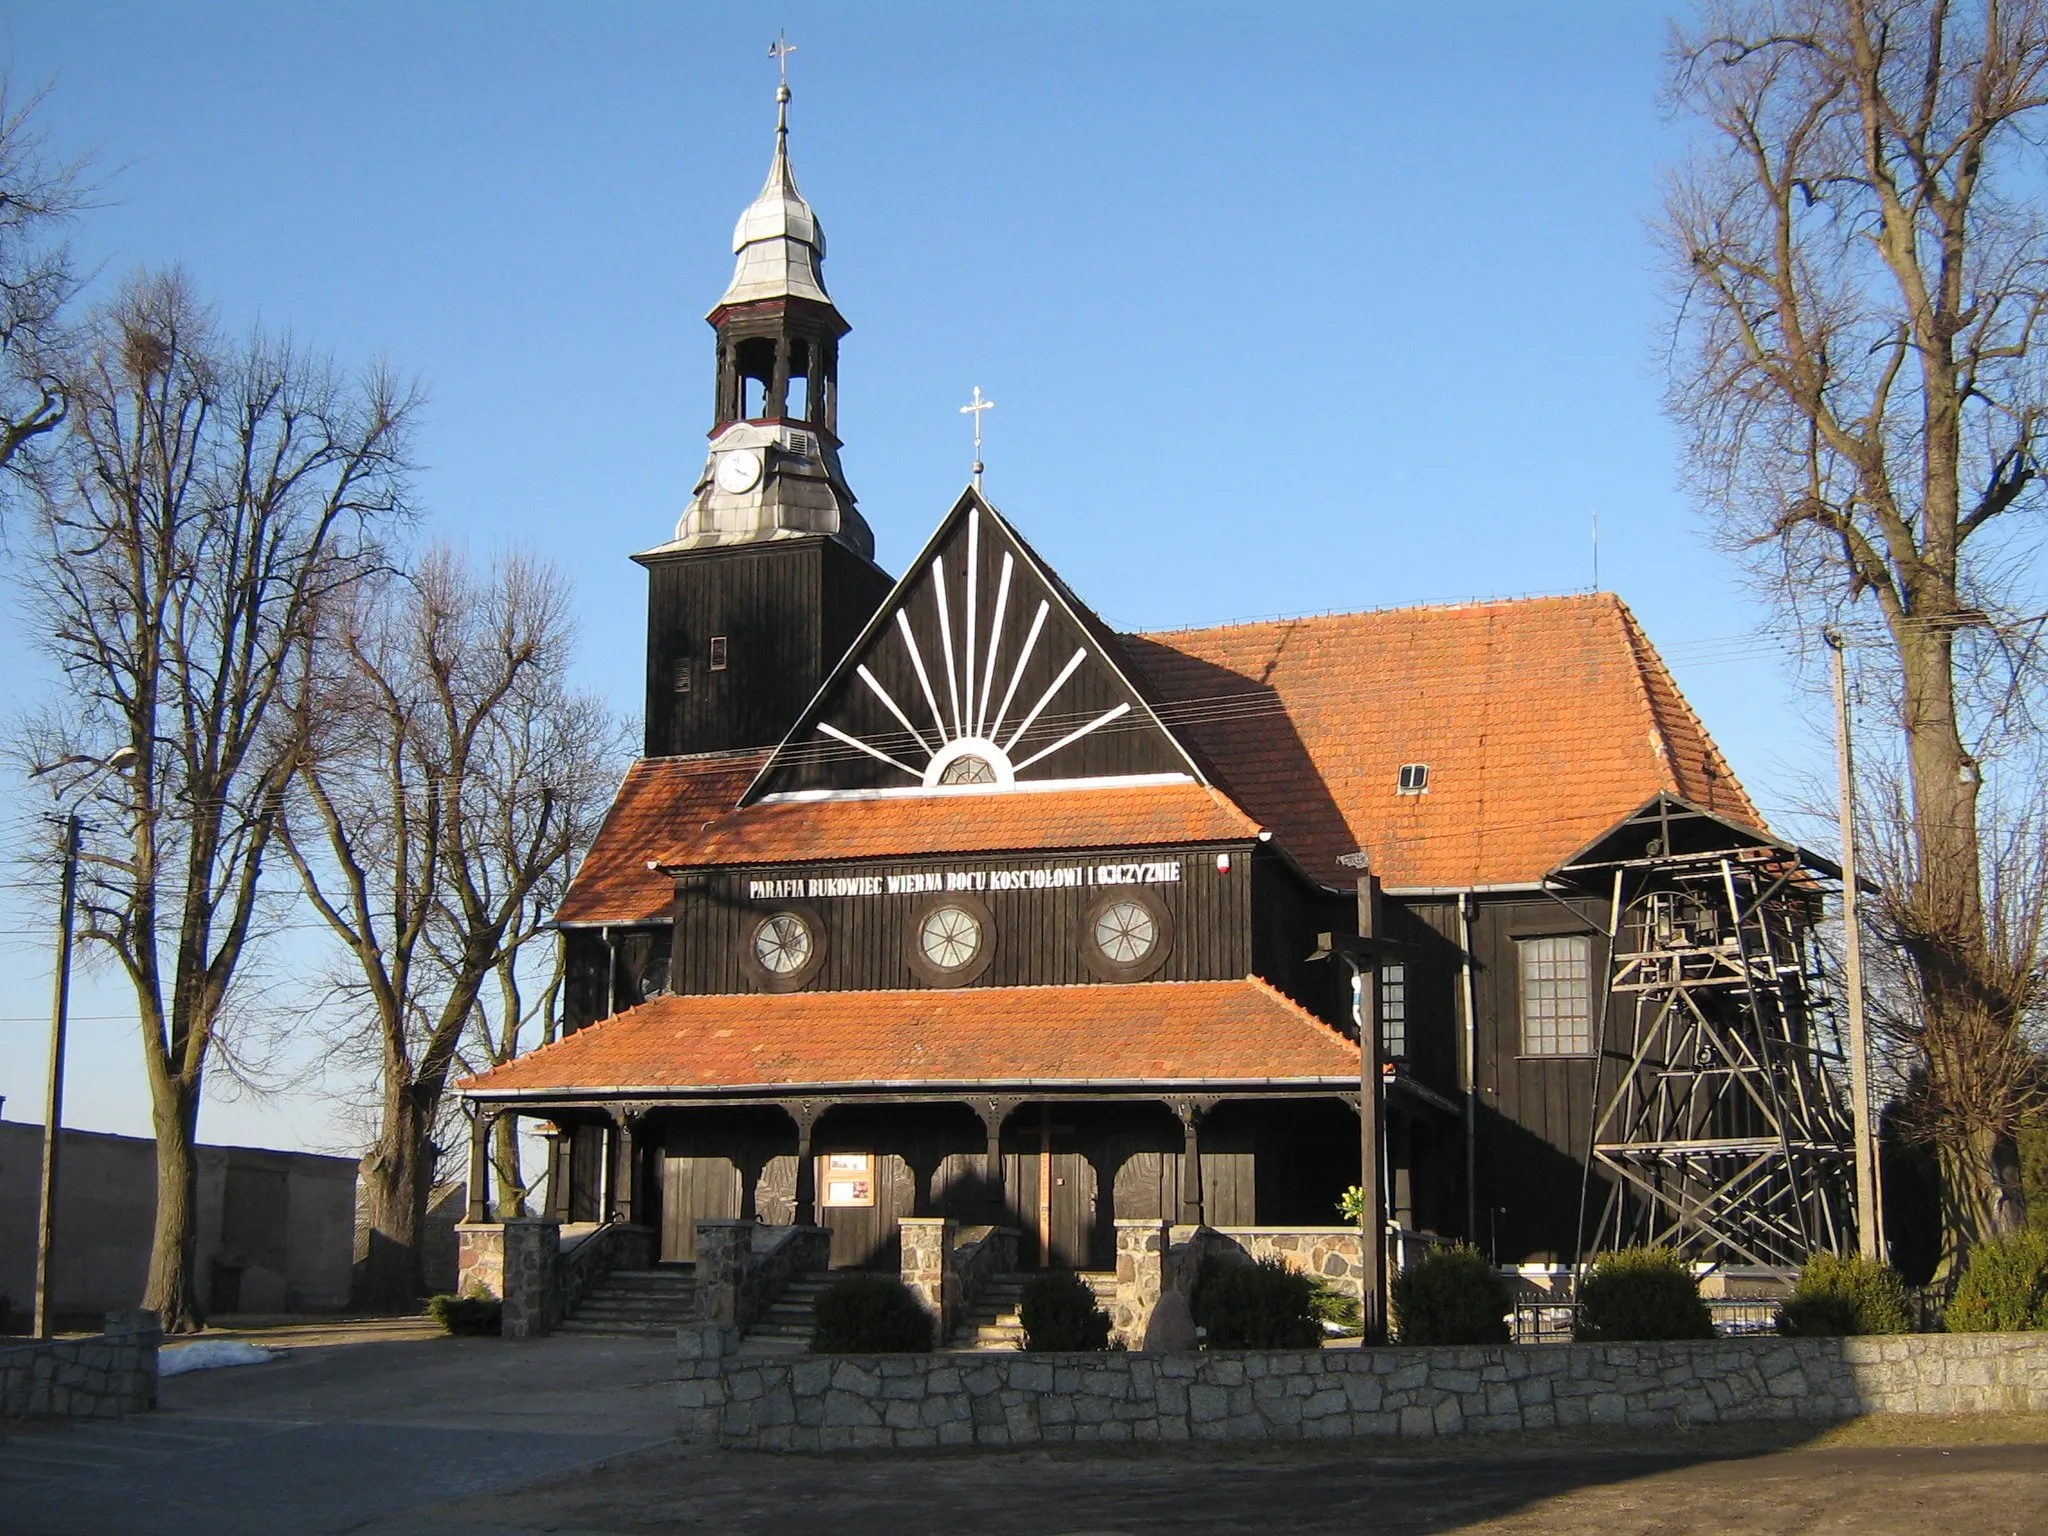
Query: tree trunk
column 397, row 1182
column 505, row 1164
column 171, row 1290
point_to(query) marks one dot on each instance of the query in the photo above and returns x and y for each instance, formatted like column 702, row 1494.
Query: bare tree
column 450, row 770
column 1863, row 285
column 38, row 196
column 203, row 497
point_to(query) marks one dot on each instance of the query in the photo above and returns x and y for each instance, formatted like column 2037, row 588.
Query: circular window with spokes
column 781, row 950
column 952, row 939
column 1125, row 934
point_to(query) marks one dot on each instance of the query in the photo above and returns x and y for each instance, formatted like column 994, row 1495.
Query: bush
column 1642, row 1293
column 1838, row 1296
column 2005, row 1289
column 1451, row 1296
column 477, row 1314
column 1264, row 1305
column 860, row 1314
column 1332, row 1306
column 1060, row 1312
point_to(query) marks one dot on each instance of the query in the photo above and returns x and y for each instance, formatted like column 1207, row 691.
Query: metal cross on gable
column 974, row 409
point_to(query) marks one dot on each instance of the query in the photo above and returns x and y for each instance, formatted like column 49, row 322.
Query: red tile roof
column 662, row 799
column 1104, row 816
column 1543, row 722
column 1154, row 1032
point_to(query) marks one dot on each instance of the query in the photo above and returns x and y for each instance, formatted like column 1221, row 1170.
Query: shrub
column 1451, row 1296
column 1642, row 1293
column 860, row 1314
column 1837, row 1296
column 476, row 1314
column 1060, row 1312
column 1264, row 1305
column 2005, row 1289
column 1332, row 1306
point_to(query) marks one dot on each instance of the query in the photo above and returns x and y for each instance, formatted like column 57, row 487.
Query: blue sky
column 1284, row 309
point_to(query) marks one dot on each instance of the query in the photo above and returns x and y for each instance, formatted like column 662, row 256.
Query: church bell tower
column 771, row 571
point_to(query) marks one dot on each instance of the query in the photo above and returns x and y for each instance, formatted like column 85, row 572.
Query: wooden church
column 935, row 895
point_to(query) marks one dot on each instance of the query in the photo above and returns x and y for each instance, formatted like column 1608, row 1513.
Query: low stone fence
column 841, row 1402
column 105, row 1376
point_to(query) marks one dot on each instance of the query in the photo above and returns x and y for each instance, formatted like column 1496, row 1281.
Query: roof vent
column 1414, row 778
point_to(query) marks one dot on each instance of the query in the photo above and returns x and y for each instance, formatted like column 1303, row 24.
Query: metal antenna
column 975, row 409
column 1596, row 550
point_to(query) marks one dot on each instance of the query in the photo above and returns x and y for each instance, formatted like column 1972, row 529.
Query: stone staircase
column 637, row 1303
column 785, row 1327
column 993, row 1321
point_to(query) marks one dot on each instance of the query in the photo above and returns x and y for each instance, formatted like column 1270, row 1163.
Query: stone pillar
column 530, row 1248
column 723, row 1248
column 1141, row 1247
column 480, row 1259
column 927, row 1270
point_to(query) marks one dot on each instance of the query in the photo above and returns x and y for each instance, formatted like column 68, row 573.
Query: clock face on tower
column 739, row 471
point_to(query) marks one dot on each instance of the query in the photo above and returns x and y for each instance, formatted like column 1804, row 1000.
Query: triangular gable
column 980, row 662
column 1664, row 826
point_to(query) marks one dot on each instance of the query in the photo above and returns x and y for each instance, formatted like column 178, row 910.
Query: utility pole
column 53, row 1103
column 1869, row 1216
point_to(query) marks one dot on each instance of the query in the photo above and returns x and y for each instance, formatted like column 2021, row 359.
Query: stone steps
column 787, row 1321
column 994, row 1321
column 636, row 1303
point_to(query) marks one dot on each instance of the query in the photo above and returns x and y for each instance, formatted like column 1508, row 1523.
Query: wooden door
column 1065, row 1217
column 694, row 1189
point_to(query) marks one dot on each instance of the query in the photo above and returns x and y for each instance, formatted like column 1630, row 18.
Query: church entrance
column 1053, row 1192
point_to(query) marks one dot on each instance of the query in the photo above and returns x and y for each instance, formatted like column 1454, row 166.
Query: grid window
column 1557, row 996
column 718, row 653
column 1394, row 1010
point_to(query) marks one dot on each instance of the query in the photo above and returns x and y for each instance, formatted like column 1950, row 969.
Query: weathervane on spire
column 975, row 409
column 779, row 51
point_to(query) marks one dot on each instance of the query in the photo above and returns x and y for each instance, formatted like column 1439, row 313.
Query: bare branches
column 205, row 497
column 38, row 196
column 449, row 777
column 1859, row 323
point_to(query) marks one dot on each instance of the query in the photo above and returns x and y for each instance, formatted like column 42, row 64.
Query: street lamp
column 119, row 761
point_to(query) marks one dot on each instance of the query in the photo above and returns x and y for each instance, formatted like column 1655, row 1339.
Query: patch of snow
column 208, row 1355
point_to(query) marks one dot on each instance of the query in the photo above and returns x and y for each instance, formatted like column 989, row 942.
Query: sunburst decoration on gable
column 973, row 736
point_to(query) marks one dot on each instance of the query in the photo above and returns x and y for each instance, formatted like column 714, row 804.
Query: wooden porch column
column 993, row 1112
column 558, row 1142
column 623, row 1164
column 806, row 1117
column 1190, row 1112
column 478, row 1207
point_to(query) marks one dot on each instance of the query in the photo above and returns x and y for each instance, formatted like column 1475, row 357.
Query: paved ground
column 407, row 1435
column 332, row 1436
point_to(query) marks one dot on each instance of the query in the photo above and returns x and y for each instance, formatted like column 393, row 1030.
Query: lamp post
column 60, row 1009
column 1362, row 954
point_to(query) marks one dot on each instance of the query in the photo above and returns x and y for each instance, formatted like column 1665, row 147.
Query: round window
column 782, row 950
column 1125, row 934
column 654, row 979
column 952, row 939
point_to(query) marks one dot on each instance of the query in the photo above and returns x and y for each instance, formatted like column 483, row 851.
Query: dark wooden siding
column 1535, row 1113
column 1037, row 933
column 787, row 611
column 1287, row 913
column 592, row 987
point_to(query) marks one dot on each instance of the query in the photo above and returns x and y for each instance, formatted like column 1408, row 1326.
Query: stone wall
column 742, row 1266
column 108, row 1376
column 532, row 1247
column 480, row 1259
column 837, row 1402
column 944, row 1266
column 1336, row 1254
